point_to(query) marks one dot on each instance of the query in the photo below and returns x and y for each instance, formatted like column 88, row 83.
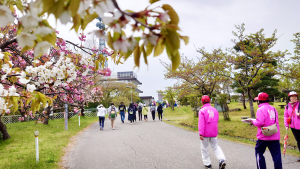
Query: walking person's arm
column 201, row 125
column 286, row 116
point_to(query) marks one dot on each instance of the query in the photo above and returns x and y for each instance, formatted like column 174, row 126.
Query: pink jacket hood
column 208, row 121
column 295, row 120
column 265, row 116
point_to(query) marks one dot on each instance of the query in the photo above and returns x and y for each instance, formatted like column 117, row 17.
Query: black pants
column 134, row 118
column 297, row 136
column 140, row 116
column 153, row 115
column 145, row 117
column 159, row 115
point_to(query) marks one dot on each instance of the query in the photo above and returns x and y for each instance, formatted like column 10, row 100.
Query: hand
column 201, row 138
column 287, row 128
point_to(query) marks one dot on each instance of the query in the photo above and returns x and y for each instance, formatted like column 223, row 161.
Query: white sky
column 209, row 24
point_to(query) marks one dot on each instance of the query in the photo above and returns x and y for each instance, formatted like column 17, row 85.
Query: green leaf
column 152, row 1
column 149, row 47
column 116, row 36
column 110, row 40
column 185, row 39
column 172, row 39
column 51, row 38
column 159, row 48
column 137, row 55
column 73, row 7
column 76, row 22
column 144, row 54
column 172, row 13
column 175, row 58
column 88, row 19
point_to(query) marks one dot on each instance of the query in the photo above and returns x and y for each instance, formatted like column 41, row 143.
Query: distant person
column 159, row 111
column 112, row 110
column 131, row 112
column 122, row 109
column 266, row 115
column 101, row 114
column 292, row 117
column 135, row 107
column 140, row 109
column 145, row 112
column 152, row 110
column 208, row 132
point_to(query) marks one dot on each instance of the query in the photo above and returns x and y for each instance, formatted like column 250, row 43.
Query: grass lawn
column 19, row 150
column 234, row 129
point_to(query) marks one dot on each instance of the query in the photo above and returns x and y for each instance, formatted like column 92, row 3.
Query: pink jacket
column 295, row 120
column 265, row 116
column 208, row 121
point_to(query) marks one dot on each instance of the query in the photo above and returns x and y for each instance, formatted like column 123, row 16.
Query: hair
column 289, row 98
column 205, row 102
column 112, row 104
column 131, row 105
column 263, row 101
column 121, row 102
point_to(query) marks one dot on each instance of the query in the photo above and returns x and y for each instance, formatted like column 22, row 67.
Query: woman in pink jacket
column 208, row 131
column 267, row 115
column 292, row 117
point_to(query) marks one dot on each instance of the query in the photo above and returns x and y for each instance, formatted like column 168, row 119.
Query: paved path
column 155, row 145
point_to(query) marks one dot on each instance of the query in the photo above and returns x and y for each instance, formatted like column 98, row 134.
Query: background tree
column 252, row 59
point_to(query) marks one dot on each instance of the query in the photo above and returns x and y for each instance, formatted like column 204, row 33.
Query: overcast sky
column 209, row 24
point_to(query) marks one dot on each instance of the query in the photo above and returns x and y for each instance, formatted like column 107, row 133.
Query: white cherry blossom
column 1, row 55
column 26, row 39
column 150, row 38
column 30, row 87
column 84, row 5
column 1, row 35
column 121, row 44
column 36, row 7
column 13, row 91
column 24, row 81
column 30, row 21
column 43, row 31
column 41, row 48
column 6, row 16
column 65, row 17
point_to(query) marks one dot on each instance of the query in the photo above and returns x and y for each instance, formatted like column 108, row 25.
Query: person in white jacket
column 101, row 114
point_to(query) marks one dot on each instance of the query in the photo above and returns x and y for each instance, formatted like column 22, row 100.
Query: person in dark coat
column 160, row 111
column 131, row 113
column 135, row 107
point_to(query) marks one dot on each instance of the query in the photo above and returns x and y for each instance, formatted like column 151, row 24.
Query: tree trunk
column 251, row 104
column 82, row 111
column 47, row 114
column 244, row 102
column 3, row 130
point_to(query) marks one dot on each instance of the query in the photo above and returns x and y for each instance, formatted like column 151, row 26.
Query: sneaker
column 222, row 164
column 208, row 166
column 298, row 160
column 113, row 128
column 100, row 128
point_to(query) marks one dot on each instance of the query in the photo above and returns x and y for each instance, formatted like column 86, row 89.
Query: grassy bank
column 19, row 150
column 234, row 129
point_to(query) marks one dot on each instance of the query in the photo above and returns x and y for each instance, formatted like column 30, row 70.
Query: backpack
column 140, row 108
column 113, row 112
column 130, row 111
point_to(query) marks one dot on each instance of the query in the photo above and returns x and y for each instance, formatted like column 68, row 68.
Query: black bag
column 140, row 108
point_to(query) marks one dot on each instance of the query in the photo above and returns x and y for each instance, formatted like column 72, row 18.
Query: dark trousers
column 145, row 117
column 101, row 121
column 122, row 114
column 274, row 147
column 134, row 117
column 153, row 115
column 297, row 136
column 140, row 115
column 159, row 115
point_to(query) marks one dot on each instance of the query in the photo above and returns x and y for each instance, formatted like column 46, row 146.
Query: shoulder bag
column 270, row 130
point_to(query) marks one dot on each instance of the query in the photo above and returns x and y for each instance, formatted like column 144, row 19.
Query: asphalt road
column 155, row 145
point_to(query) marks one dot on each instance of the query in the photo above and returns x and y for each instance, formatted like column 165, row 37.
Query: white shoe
column 130, row 123
column 113, row 128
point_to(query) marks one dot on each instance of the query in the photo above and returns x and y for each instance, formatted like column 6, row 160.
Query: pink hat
column 263, row 96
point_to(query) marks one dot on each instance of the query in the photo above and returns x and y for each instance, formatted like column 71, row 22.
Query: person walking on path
column 122, row 109
column 131, row 112
column 140, row 109
column 208, row 132
column 101, row 114
column 292, row 117
column 135, row 108
column 145, row 112
column 266, row 116
column 159, row 111
column 112, row 110
column 152, row 110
